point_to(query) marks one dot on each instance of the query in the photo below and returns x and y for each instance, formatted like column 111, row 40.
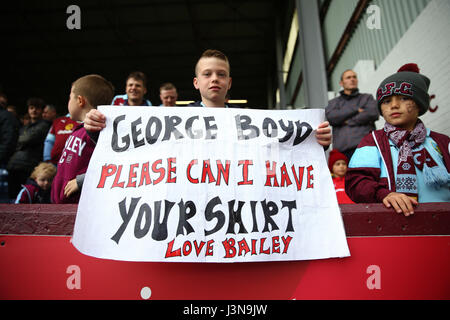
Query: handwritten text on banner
column 209, row 185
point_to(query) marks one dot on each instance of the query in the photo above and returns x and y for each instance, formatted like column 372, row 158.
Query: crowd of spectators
column 35, row 139
column 400, row 165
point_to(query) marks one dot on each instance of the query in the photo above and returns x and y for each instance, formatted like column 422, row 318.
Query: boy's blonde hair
column 43, row 167
column 95, row 89
column 213, row 53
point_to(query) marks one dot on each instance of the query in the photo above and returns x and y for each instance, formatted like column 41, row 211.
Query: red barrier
column 392, row 257
column 359, row 219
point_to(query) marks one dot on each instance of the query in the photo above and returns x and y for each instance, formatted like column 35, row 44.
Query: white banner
column 193, row 184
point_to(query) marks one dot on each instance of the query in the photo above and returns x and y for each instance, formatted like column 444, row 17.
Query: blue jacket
column 373, row 168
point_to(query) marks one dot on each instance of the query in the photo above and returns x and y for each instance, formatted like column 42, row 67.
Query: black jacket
column 350, row 125
column 9, row 130
column 30, row 146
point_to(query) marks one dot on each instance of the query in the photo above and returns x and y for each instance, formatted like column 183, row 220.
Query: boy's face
column 34, row 112
column 400, row 111
column 340, row 168
column 168, row 97
column 213, row 80
column 74, row 106
column 135, row 90
column 44, row 181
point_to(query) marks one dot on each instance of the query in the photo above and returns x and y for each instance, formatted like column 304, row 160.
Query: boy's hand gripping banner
column 199, row 184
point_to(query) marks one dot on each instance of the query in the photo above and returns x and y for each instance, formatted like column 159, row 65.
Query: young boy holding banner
column 213, row 80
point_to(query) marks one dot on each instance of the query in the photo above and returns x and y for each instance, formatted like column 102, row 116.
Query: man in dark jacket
column 9, row 129
column 29, row 148
column 352, row 115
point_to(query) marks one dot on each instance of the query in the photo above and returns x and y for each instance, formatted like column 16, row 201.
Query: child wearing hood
column 338, row 165
column 38, row 186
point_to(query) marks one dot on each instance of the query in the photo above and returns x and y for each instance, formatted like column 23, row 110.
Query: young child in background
column 86, row 94
column 337, row 163
column 37, row 188
column 404, row 163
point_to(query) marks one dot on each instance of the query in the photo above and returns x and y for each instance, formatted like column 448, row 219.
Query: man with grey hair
column 49, row 113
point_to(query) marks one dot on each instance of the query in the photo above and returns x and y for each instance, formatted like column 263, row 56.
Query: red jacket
column 74, row 161
column 339, row 185
column 62, row 128
column 32, row 193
